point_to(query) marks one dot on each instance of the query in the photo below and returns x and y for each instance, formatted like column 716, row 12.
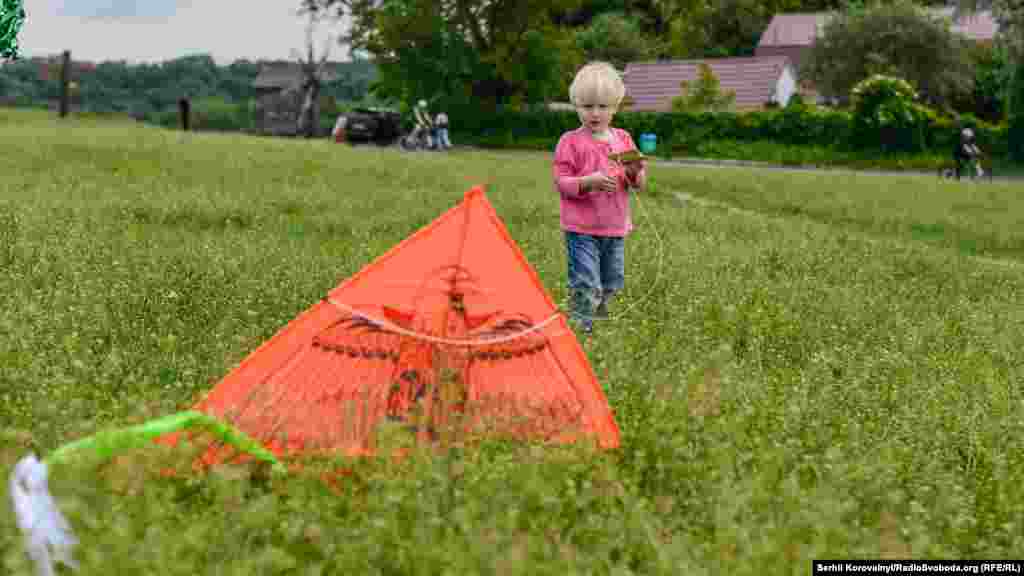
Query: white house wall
column 785, row 87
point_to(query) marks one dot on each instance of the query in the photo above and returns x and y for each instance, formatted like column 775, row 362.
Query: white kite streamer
column 48, row 536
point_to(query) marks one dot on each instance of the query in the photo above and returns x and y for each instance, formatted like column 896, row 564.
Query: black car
column 378, row 125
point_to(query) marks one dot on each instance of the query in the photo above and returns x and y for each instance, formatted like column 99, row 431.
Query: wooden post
column 65, row 79
column 183, row 110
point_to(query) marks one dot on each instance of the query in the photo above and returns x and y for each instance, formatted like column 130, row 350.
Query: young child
column 441, row 131
column 594, row 193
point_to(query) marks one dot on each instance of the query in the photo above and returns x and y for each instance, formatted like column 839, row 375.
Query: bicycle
column 417, row 140
column 947, row 171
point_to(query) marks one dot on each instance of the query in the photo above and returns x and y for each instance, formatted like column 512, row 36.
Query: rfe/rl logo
column 12, row 16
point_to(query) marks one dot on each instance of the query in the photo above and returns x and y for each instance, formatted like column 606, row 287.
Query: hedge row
column 1015, row 137
column 219, row 116
column 796, row 125
column 677, row 133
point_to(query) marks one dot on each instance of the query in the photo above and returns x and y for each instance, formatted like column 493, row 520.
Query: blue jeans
column 442, row 139
column 596, row 272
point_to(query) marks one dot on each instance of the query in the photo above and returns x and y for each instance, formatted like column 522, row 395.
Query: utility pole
column 65, row 79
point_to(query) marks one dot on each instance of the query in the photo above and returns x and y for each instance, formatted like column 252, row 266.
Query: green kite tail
column 108, row 443
column 12, row 16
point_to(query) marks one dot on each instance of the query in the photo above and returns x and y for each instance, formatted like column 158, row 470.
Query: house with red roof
column 757, row 81
column 793, row 34
column 769, row 77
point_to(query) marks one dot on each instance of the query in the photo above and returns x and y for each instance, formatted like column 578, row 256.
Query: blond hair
column 597, row 81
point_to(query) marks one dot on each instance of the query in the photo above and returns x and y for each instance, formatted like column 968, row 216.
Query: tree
column 993, row 71
column 616, row 38
column 313, row 75
column 897, row 39
column 706, row 94
column 1009, row 14
column 1015, row 133
column 735, row 26
column 491, row 52
column 235, row 80
column 713, row 28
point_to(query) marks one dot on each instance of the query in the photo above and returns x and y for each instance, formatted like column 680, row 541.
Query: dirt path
column 723, row 163
column 779, row 168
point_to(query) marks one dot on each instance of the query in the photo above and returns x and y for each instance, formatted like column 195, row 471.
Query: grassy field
column 816, row 365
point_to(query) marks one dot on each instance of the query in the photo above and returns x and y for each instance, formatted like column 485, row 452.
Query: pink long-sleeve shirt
column 595, row 213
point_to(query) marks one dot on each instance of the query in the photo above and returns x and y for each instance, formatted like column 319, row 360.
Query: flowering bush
column 885, row 113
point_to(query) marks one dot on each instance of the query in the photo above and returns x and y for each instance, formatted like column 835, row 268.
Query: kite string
column 436, row 340
column 660, row 247
column 657, row 275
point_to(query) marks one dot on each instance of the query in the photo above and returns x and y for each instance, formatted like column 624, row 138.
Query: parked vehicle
column 379, row 125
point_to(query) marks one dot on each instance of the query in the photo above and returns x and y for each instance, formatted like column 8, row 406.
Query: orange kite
column 451, row 321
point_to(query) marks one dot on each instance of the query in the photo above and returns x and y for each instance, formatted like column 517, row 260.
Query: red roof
column 653, row 85
column 980, row 26
column 793, row 29
column 49, row 68
column 801, row 29
column 796, row 54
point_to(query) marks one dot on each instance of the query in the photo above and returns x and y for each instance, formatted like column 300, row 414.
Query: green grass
column 823, row 366
column 972, row 218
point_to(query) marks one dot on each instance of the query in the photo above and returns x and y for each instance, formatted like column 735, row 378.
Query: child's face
column 595, row 115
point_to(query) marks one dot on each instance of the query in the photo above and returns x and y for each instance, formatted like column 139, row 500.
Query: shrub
column 217, row 114
column 1015, row 137
column 1015, row 133
column 885, row 112
column 705, row 94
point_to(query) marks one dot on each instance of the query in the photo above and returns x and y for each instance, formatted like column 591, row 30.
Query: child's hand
column 634, row 168
column 599, row 182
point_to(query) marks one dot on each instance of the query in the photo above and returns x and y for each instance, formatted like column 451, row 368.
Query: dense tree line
column 509, row 52
column 493, row 53
column 142, row 89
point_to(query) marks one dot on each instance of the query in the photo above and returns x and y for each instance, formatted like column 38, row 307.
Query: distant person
column 967, row 154
column 339, row 129
column 594, row 192
column 185, row 113
column 424, row 125
column 441, row 131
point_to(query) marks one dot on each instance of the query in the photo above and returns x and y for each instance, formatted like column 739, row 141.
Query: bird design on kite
column 453, row 374
column 450, row 328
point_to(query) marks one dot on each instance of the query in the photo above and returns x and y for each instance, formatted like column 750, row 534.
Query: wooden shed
column 278, row 90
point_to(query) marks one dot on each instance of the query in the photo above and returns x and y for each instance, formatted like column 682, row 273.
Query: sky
column 158, row 30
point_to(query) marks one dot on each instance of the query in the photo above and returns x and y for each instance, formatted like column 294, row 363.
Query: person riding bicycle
column 424, row 124
column 967, row 153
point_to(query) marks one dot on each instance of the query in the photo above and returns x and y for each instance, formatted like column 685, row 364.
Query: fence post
column 183, row 111
column 65, row 79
